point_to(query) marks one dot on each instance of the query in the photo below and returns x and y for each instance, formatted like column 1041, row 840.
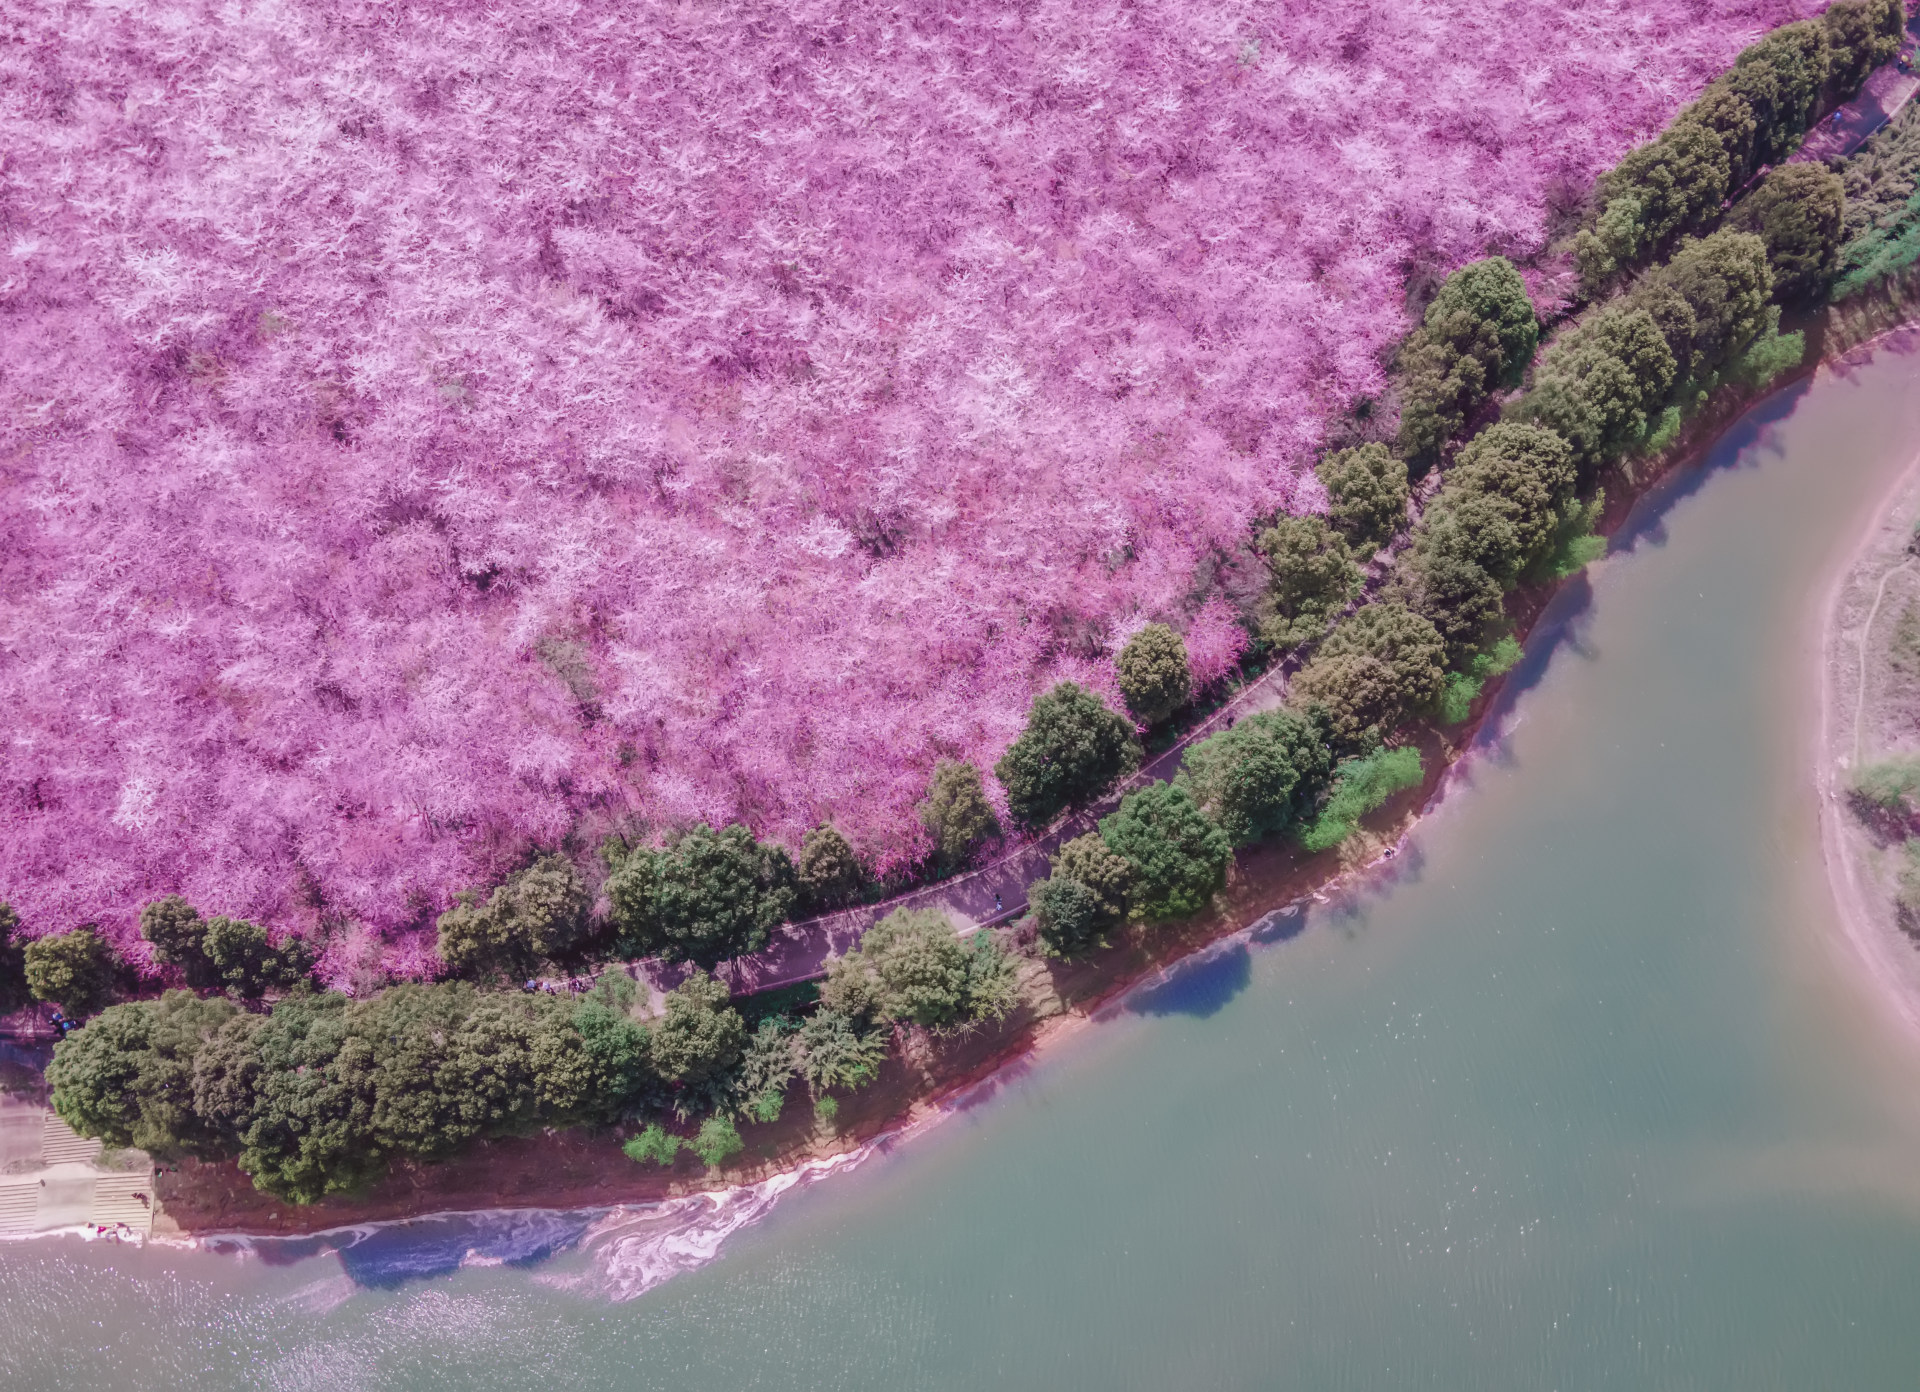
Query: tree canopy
column 700, row 1036
column 1725, row 284
column 911, row 967
column 709, row 897
column 1085, row 899
column 830, row 873
column 1313, row 577
column 1377, row 665
column 1476, row 336
column 1597, row 386
column 1256, row 777
column 1072, row 750
column 956, row 812
column 1179, row 857
column 1799, row 211
column 536, row 915
column 1367, row 494
column 74, row 971
column 1154, row 677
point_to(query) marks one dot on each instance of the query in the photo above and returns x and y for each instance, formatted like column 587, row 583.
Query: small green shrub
column 826, row 1111
column 717, row 1142
column 653, row 1146
column 1462, row 687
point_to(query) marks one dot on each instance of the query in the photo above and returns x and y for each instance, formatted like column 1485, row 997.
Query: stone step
column 66, row 1201
column 61, row 1146
column 19, row 1204
column 114, row 1201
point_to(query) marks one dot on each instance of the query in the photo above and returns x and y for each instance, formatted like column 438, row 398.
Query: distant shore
column 1870, row 586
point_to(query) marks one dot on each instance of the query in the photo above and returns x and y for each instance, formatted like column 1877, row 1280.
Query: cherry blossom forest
column 431, row 430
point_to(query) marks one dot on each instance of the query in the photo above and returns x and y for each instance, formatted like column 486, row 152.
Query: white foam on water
column 634, row 1249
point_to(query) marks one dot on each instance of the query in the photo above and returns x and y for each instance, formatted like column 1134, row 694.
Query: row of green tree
column 322, row 1093
column 1752, row 117
column 79, row 972
column 1518, row 499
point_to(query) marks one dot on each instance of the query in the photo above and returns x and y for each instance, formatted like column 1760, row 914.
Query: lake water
column 1593, row 1096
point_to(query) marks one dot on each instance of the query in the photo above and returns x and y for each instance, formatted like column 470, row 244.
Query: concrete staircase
column 125, row 1197
column 52, row 1178
column 60, row 1146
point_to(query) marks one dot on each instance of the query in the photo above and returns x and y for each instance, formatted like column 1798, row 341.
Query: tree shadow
column 389, row 1255
column 1200, row 986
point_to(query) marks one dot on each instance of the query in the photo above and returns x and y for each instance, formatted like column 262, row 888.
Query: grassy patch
column 1359, row 786
column 1456, row 701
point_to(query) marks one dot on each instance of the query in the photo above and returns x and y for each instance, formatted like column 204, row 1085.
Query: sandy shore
column 1858, row 717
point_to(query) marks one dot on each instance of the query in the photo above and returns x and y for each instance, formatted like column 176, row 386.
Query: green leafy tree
column 1726, row 285
column 835, row 1052
column 451, row 1064
column 1596, row 387
column 1677, row 182
column 1154, row 676
column 1729, row 116
column 127, row 1077
column 1067, row 917
column 911, row 967
column 701, row 1036
column 1861, row 35
column 619, row 1057
column 716, row 1142
column 1254, row 778
column 1782, row 76
column 1314, row 576
column 1179, row 857
column 766, row 1068
column 73, row 970
column 179, row 937
column 1090, row 861
column 1072, row 750
column 1499, row 512
column 1367, row 494
column 830, row 873
column 1799, row 211
column 1086, row 898
column 1444, row 578
column 296, row 1090
column 1477, row 335
column 13, row 962
column 247, row 962
column 1378, row 665
column 710, row 897
column 537, row 914
column 1529, row 470
column 956, row 812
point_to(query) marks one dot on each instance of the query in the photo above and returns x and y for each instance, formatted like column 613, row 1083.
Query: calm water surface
column 1590, row 1098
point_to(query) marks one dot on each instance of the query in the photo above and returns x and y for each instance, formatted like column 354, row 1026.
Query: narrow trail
column 1866, row 633
column 996, row 892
